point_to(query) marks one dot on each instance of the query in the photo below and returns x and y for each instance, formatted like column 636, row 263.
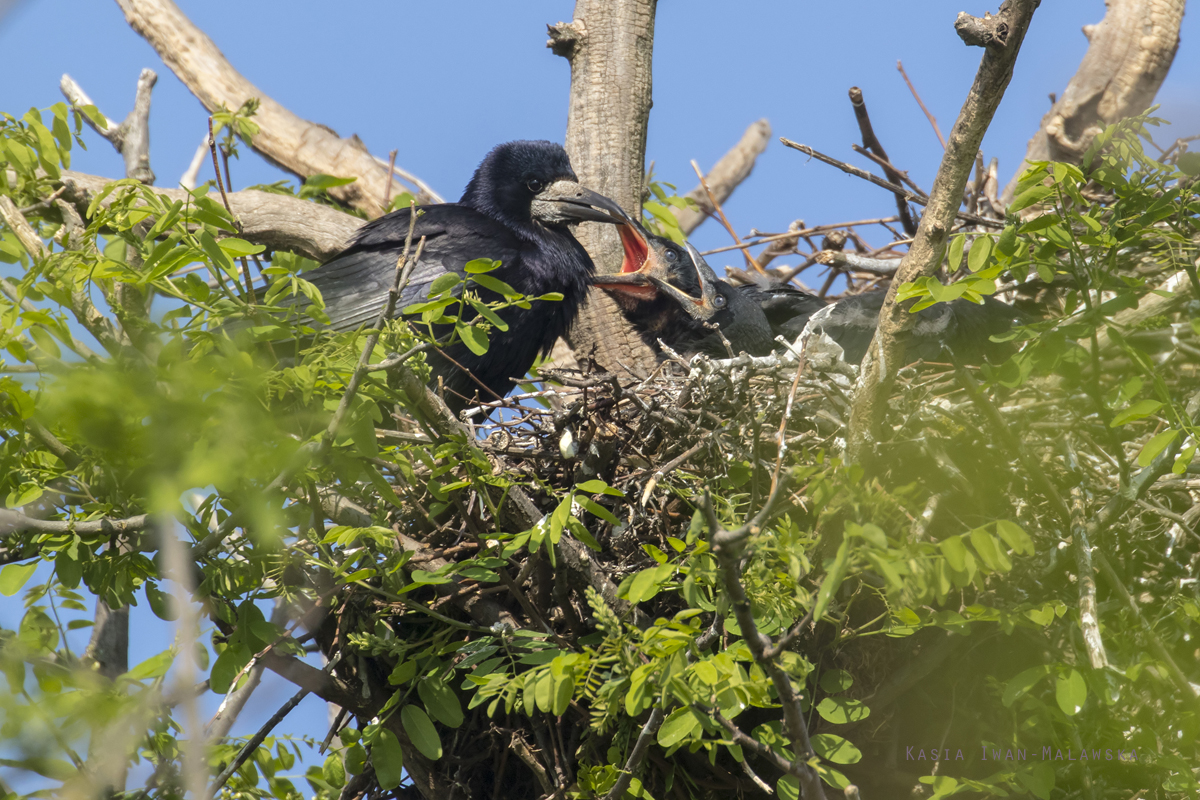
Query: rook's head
column 526, row 182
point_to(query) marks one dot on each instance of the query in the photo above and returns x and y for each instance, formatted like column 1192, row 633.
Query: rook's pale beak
column 566, row 201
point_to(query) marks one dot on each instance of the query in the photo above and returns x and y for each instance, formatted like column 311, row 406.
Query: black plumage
column 959, row 330
column 515, row 210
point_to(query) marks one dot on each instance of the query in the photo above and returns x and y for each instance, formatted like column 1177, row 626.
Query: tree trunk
column 609, row 44
column 1130, row 53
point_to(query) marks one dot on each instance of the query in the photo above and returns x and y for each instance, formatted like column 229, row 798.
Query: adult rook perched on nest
column 515, row 210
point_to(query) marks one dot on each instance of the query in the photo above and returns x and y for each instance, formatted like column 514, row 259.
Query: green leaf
column 1023, row 682
column 1032, row 195
column 989, row 552
column 240, row 247
column 479, row 266
column 95, row 117
column 836, row 680
column 421, row 576
column 161, row 603
column 495, row 284
column 476, row 339
column 1007, row 244
column 1188, row 163
column 954, row 260
column 403, row 672
column 488, row 314
column 1139, row 410
column 597, row 486
column 840, row 710
column 981, row 251
column 216, row 256
column 955, row 552
column 45, row 342
column 1070, row 691
column 1184, row 460
column 1015, row 536
column 597, row 509
column 788, row 788
column 443, row 283
column 833, row 580
column 420, row 729
column 646, row 584
column 1156, row 445
column 321, row 181
column 388, row 760
column 14, row 576
column 836, row 749
column 1039, row 780
column 1040, row 223
column 564, row 690
column 679, row 725
column 154, row 667
column 441, row 701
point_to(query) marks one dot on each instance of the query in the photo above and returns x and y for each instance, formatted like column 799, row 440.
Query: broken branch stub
column 1129, row 55
column 726, row 175
column 291, row 143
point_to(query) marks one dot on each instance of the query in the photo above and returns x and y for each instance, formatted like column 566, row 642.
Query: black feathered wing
column 355, row 283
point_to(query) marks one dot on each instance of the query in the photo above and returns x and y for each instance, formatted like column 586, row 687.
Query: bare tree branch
column 192, row 174
column 296, row 145
column 15, row 522
column 277, row 221
column 726, row 175
column 1128, row 57
column 925, row 254
column 131, row 138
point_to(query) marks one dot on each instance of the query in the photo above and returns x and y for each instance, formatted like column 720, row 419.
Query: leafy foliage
column 518, row 608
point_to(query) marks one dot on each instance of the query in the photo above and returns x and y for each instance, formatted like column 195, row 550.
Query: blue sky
column 443, row 82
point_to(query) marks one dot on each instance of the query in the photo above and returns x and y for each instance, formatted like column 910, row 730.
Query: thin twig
column 917, row 97
column 871, row 142
column 775, row 237
column 387, row 189
column 212, row 147
column 901, row 175
column 750, row 260
column 257, row 739
column 891, row 187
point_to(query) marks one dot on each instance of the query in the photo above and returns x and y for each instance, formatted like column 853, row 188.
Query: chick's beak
column 639, row 265
column 566, row 201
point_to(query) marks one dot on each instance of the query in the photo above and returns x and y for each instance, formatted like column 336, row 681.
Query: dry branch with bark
column 1128, row 56
column 301, row 147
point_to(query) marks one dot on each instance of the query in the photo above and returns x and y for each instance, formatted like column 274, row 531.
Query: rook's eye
column 672, row 256
column 534, row 185
column 719, row 301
